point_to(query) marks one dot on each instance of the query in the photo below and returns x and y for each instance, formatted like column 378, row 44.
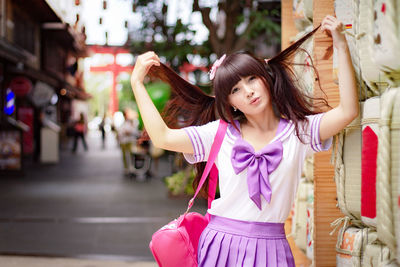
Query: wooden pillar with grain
column 325, row 199
column 288, row 31
column 325, row 210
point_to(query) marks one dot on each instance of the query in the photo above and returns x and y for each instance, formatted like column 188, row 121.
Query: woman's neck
column 264, row 122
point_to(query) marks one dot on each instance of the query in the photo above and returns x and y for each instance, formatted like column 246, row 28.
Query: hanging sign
column 21, row 86
column 41, row 94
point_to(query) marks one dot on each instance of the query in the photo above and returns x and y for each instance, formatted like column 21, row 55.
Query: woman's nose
column 249, row 91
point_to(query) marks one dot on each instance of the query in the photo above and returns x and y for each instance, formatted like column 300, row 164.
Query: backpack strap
column 219, row 137
column 212, row 184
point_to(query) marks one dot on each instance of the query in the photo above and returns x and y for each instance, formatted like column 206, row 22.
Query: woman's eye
column 234, row 90
column 252, row 78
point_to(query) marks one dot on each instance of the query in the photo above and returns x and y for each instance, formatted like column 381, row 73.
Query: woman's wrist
column 342, row 46
column 136, row 82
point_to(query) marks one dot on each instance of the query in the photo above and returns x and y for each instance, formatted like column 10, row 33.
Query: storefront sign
column 21, row 86
column 25, row 114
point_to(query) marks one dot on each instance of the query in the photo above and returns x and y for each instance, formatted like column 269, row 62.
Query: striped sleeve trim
column 316, row 143
column 197, row 144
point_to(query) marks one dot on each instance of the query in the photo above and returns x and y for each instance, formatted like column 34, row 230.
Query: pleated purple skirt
column 228, row 242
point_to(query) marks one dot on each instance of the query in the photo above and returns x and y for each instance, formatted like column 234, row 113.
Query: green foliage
column 180, row 183
column 173, row 42
column 261, row 21
column 159, row 93
column 264, row 26
column 99, row 88
column 126, row 98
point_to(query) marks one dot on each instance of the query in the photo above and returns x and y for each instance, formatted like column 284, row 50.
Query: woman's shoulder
column 308, row 119
column 209, row 124
column 306, row 128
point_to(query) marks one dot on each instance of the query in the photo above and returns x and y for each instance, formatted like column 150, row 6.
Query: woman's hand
column 142, row 66
column 161, row 136
column 333, row 27
column 339, row 117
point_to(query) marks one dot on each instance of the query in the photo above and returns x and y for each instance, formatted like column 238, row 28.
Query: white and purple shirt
column 234, row 201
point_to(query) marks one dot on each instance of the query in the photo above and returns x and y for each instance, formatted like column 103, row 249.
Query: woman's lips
column 255, row 101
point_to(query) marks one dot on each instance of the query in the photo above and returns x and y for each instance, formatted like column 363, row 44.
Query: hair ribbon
column 215, row 66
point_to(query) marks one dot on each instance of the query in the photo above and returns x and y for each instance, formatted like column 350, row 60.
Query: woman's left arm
column 339, row 117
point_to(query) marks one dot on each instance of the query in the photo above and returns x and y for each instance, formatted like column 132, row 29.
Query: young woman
column 272, row 127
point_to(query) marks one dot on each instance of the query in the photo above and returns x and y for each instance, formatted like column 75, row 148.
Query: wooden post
column 288, row 31
column 288, row 28
column 325, row 210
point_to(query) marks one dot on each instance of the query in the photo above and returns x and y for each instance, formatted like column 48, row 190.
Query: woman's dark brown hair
column 190, row 106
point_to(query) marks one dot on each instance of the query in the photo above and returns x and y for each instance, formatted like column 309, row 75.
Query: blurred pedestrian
column 80, row 129
column 103, row 132
column 127, row 135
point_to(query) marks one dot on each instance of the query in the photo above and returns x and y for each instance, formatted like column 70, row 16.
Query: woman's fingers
column 150, row 63
column 143, row 64
column 333, row 22
column 325, row 25
column 331, row 18
column 148, row 55
column 148, row 59
column 334, row 28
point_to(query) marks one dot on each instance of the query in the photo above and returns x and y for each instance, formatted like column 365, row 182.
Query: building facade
column 40, row 76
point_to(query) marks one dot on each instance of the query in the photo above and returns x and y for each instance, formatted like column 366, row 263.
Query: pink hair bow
column 215, row 66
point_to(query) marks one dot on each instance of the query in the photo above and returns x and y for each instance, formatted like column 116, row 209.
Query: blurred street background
column 76, row 186
column 80, row 188
column 85, row 207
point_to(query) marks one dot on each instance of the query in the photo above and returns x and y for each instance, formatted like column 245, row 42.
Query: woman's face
column 250, row 95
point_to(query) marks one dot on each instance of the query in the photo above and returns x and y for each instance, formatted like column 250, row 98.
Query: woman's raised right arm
column 160, row 134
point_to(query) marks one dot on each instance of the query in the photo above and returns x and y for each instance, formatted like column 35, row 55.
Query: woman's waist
column 247, row 228
column 246, row 210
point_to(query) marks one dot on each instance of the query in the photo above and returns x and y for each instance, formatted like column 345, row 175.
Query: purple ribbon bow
column 260, row 165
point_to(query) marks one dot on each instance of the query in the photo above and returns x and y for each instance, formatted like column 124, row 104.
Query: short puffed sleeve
column 202, row 138
column 310, row 133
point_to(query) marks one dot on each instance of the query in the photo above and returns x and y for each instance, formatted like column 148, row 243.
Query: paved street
column 84, row 208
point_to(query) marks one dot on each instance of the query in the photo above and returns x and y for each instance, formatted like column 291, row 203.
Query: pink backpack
column 175, row 244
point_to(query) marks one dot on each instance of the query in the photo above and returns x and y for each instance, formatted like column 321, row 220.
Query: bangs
column 233, row 69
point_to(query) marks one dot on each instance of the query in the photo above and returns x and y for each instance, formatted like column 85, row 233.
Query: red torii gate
column 114, row 68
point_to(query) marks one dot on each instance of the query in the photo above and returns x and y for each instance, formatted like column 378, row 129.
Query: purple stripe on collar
column 283, row 127
column 233, row 130
column 230, row 136
column 287, row 131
